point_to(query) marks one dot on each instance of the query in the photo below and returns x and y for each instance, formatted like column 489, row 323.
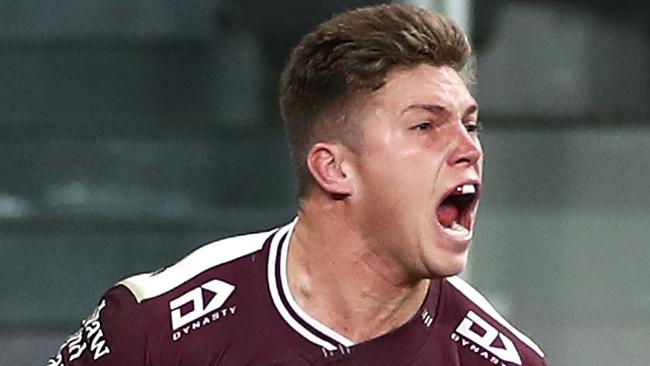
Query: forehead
column 424, row 84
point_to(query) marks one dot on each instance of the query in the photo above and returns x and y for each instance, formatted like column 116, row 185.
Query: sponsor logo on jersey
column 93, row 341
column 480, row 337
column 205, row 306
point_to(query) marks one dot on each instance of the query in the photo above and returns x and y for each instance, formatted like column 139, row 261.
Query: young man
column 383, row 132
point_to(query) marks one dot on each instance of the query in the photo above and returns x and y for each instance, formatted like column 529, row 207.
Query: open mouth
column 455, row 212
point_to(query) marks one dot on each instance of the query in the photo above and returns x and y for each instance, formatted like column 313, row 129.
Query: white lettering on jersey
column 477, row 330
column 76, row 346
column 95, row 334
column 221, row 291
column 94, row 339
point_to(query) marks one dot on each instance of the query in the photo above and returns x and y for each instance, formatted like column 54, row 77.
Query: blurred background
column 134, row 131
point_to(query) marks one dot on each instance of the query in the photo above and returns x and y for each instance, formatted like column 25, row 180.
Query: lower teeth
column 458, row 231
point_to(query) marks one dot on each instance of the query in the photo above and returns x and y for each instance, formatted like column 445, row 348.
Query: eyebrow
column 438, row 109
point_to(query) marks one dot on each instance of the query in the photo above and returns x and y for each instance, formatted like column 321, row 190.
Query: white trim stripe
column 476, row 297
column 275, row 295
column 149, row 285
column 294, row 305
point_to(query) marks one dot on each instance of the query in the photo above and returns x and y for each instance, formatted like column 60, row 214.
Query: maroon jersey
column 228, row 303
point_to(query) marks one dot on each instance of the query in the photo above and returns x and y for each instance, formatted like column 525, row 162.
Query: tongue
column 447, row 214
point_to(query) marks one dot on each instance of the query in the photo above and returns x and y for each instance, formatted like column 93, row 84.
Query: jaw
column 447, row 257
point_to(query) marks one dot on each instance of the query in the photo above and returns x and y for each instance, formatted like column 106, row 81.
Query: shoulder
column 152, row 317
column 149, row 285
column 114, row 332
column 475, row 312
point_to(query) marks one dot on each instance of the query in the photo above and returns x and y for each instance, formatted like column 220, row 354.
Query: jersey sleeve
column 114, row 334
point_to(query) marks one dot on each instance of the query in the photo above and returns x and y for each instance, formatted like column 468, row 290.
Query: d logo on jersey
column 220, row 291
column 477, row 330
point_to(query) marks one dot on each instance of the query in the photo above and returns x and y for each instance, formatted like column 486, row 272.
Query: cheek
column 401, row 166
column 399, row 185
column 380, row 182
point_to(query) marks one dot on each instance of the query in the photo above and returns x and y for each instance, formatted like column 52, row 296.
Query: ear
column 327, row 164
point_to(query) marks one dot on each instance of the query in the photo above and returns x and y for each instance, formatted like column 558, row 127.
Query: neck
column 337, row 278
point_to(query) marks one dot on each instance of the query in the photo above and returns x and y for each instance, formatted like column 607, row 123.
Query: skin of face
column 418, row 142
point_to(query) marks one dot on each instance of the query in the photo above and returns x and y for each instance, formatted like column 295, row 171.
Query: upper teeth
column 466, row 189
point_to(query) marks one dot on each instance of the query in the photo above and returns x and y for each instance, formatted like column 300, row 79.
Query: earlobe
column 327, row 166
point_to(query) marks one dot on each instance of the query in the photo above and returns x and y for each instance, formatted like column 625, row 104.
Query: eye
column 473, row 126
column 422, row 126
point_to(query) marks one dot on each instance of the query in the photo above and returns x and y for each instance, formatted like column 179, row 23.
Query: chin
column 449, row 266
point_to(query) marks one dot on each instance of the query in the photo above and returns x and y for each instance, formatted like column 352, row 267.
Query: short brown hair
column 350, row 54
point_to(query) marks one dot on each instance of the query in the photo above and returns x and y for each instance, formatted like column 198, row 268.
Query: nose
column 467, row 149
